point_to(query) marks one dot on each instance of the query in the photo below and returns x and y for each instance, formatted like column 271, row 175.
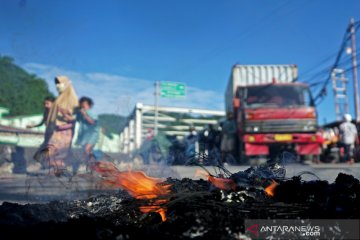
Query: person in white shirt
column 348, row 135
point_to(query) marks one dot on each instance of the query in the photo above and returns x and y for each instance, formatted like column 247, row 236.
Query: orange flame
column 270, row 190
column 137, row 184
column 222, row 183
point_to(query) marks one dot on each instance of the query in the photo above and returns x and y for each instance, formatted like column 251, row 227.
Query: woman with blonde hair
column 60, row 126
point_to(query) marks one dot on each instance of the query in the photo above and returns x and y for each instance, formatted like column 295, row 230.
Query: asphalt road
column 40, row 186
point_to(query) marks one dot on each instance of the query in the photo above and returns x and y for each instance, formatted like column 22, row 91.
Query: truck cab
column 274, row 117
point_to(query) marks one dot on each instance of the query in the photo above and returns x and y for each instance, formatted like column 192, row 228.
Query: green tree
column 20, row 91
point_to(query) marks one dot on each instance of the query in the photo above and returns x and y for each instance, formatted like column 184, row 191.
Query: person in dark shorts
column 88, row 133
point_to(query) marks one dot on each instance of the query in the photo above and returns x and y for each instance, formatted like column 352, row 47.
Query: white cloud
column 119, row 94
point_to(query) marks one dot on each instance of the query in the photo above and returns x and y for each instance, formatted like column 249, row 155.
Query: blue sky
column 115, row 50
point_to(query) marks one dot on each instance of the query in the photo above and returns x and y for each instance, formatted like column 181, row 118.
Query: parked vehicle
column 274, row 112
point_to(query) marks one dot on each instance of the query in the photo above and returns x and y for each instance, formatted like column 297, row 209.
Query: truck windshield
column 278, row 95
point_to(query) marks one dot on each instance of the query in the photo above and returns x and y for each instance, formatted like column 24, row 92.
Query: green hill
column 23, row 94
column 20, row 91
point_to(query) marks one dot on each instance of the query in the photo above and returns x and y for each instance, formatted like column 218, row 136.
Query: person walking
column 60, row 127
column 48, row 102
column 88, row 133
column 228, row 137
column 348, row 137
column 191, row 142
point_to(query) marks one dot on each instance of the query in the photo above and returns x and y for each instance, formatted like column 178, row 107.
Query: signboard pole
column 156, row 108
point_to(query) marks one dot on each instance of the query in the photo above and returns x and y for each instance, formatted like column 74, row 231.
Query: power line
column 323, row 71
column 322, row 81
column 321, row 62
column 336, row 64
column 338, row 57
column 350, row 69
column 345, row 71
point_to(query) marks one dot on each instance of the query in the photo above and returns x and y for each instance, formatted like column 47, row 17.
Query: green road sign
column 172, row 89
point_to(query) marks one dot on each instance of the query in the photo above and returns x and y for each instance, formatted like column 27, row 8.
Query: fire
column 270, row 190
column 138, row 185
column 156, row 208
column 222, row 183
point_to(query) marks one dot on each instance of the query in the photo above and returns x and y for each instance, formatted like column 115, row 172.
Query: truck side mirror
column 236, row 102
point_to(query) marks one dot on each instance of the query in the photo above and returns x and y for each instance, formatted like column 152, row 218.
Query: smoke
column 43, row 184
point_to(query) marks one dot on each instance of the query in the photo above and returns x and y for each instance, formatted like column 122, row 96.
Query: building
column 13, row 130
column 174, row 121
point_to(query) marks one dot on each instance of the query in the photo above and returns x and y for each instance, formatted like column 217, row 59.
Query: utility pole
column 156, row 104
column 354, row 64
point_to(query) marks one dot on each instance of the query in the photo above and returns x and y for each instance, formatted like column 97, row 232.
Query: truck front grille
column 283, row 125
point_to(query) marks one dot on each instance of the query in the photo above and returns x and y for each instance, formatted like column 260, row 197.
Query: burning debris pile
column 181, row 209
column 138, row 185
